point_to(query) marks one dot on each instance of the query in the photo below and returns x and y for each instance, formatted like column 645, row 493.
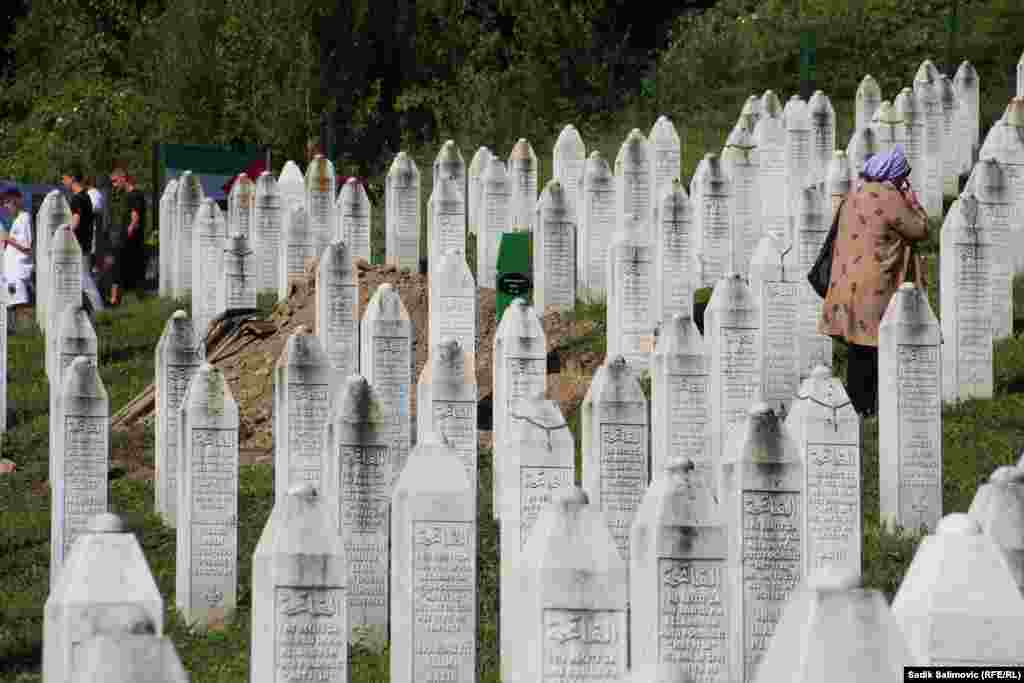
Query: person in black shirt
column 82, row 223
column 130, row 260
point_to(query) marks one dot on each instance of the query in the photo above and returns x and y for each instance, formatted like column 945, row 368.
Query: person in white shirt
column 17, row 253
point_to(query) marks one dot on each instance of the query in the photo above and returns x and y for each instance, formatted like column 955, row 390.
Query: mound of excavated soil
column 248, row 361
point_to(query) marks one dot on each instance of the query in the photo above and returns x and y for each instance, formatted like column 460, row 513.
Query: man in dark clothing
column 130, row 243
column 82, row 223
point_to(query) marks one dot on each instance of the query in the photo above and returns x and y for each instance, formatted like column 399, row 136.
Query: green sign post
column 514, row 275
column 808, row 64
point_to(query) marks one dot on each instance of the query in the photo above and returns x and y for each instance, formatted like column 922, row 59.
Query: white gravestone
column 926, row 90
column 826, row 428
column 732, row 333
column 74, row 337
column 674, row 255
column 519, row 370
column 357, row 491
column 237, row 291
column 320, row 210
column 453, row 302
column 776, row 284
column 838, row 181
column 300, row 583
column 823, row 134
column 616, row 447
column 679, row 604
column 178, row 355
column 337, row 310
column 474, row 187
column 799, row 143
column 770, row 138
column 54, row 214
column 837, row 631
column 302, row 404
column 354, row 213
column 741, row 165
column 968, row 135
column 81, row 458
column 106, row 588
column 569, row 157
column 64, row 288
column 190, row 198
column 446, row 402
column 292, row 186
column 712, row 204
column 448, row 220
column 554, row 287
column 1020, row 76
column 633, row 181
column 267, row 224
column 950, row 148
column 240, row 206
column 206, row 568
column 433, row 569
column 889, row 128
column 771, row 106
column 126, row 658
column 296, row 248
column 495, row 219
column 811, row 230
column 571, row 624
column 168, row 203
column 751, row 112
column 207, row 264
column 909, row 412
column 1008, row 149
column 998, row 508
column 965, row 261
column 540, row 465
column 597, row 225
column 867, row 101
column 958, row 604
column 385, row 359
column 523, row 169
column 402, row 213
column 666, row 152
column 449, row 164
column 630, row 314
column 763, row 499
column 680, row 409
column 995, row 208
column 914, row 115
column 863, row 145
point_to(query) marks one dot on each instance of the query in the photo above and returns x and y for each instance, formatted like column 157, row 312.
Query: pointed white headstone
column 811, row 230
column 909, row 412
column 130, row 657
column 914, row 114
column 633, row 181
column 320, row 188
column 630, row 315
column 354, row 213
column 208, row 233
column 292, row 186
column 674, row 255
column 616, row 447
column 402, row 213
column 713, row 198
column 299, row 585
column 770, row 138
column 64, row 288
column 54, row 213
column 495, row 219
column 178, row 356
column 555, row 251
column 448, row 220
column 948, row 132
column 597, row 225
column 190, row 198
column 168, row 204
column 1007, row 138
column 799, row 143
column 776, row 284
column 889, row 128
column 968, row 136
column 666, row 151
column 206, row 570
column 523, row 169
column 237, row 290
column 297, row 247
column 988, row 182
column 838, row 181
column 927, row 92
column 475, row 186
column 240, row 206
column 433, row 569
column 357, row 492
column 267, row 226
column 453, row 303
column 337, row 310
column 998, row 508
column 867, row 99
column 741, row 165
column 863, row 145
column 74, row 337
column 823, row 134
column 569, row 157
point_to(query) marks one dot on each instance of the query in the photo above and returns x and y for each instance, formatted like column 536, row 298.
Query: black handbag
column 820, row 274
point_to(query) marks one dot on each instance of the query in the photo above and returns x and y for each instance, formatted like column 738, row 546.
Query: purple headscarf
column 890, row 166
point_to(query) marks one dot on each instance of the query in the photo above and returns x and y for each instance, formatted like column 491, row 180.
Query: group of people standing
column 114, row 255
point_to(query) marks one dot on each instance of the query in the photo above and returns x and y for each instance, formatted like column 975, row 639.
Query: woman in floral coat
column 879, row 222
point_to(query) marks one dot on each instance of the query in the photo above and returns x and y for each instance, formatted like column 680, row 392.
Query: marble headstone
column 929, row 102
column 867, row 101
column 740, row 163
column 554, row 248
column 910, row 412
column 998, row 508
column 190, row 198
column 453, row 302
column 811, row 229
column 357, row 493
column 712, row 203
column 320, row 208
column 402, row 213
column 988, row 182
column 949, row 130
column 839, row 181
column 914, row 116
column 674, row 243
column 297, row 247
column 630, row 316
column 523, row 169
column 354, row 214
column 665, row 160
column 64, row 288
column 206, row 568
column 168, row 204
column 799, row 143
column 54, row 213
column 129, row 657
column 776, row 284
column 292, row 186
column 1007, row 146
column 240, row 206
column 597, row 225
column 770, row 138
column 823, row 134
column 267, row 222
column 968, row 136
column 568, row 157
column 475, row 186
column 433, row 569
column 863, row 145
column 208, row 237
column 74, row 337
column 495, row 220
column 337, row 310
column 633, row 181
column 237, row 291
column 302, row 400
column 448, row 220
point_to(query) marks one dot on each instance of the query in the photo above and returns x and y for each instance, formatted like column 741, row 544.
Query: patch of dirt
column 249, row 369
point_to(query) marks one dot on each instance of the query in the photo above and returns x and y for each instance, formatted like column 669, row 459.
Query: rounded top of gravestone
column 266, row 184
column 449, row 156
column 770, row 105
column 320, row 171
column 868, row 88
column 597, row 168
column 906, row 104
column 834, row 579
column 634, row 148
column 403, row 168
column 170, row 189
column 106, row 523
column 569, row 133
column 290, row 172
column 1007, row 474
column 947, row 91
column 747, row 122
column 386, row 304
column 446, row 191
column 81, row 379
column 495, row 171
column 305, row 490
column 927, row 73
column 521, row 150
column 796, row 115
column 958, row 523
column 302, row 348
column 887, row 114
column 481, row 159
column 820, row 106
column 966, row 73
column 752, row 106
column 555, row 198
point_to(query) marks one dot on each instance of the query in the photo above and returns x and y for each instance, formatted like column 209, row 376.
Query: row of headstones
column 710, row 589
